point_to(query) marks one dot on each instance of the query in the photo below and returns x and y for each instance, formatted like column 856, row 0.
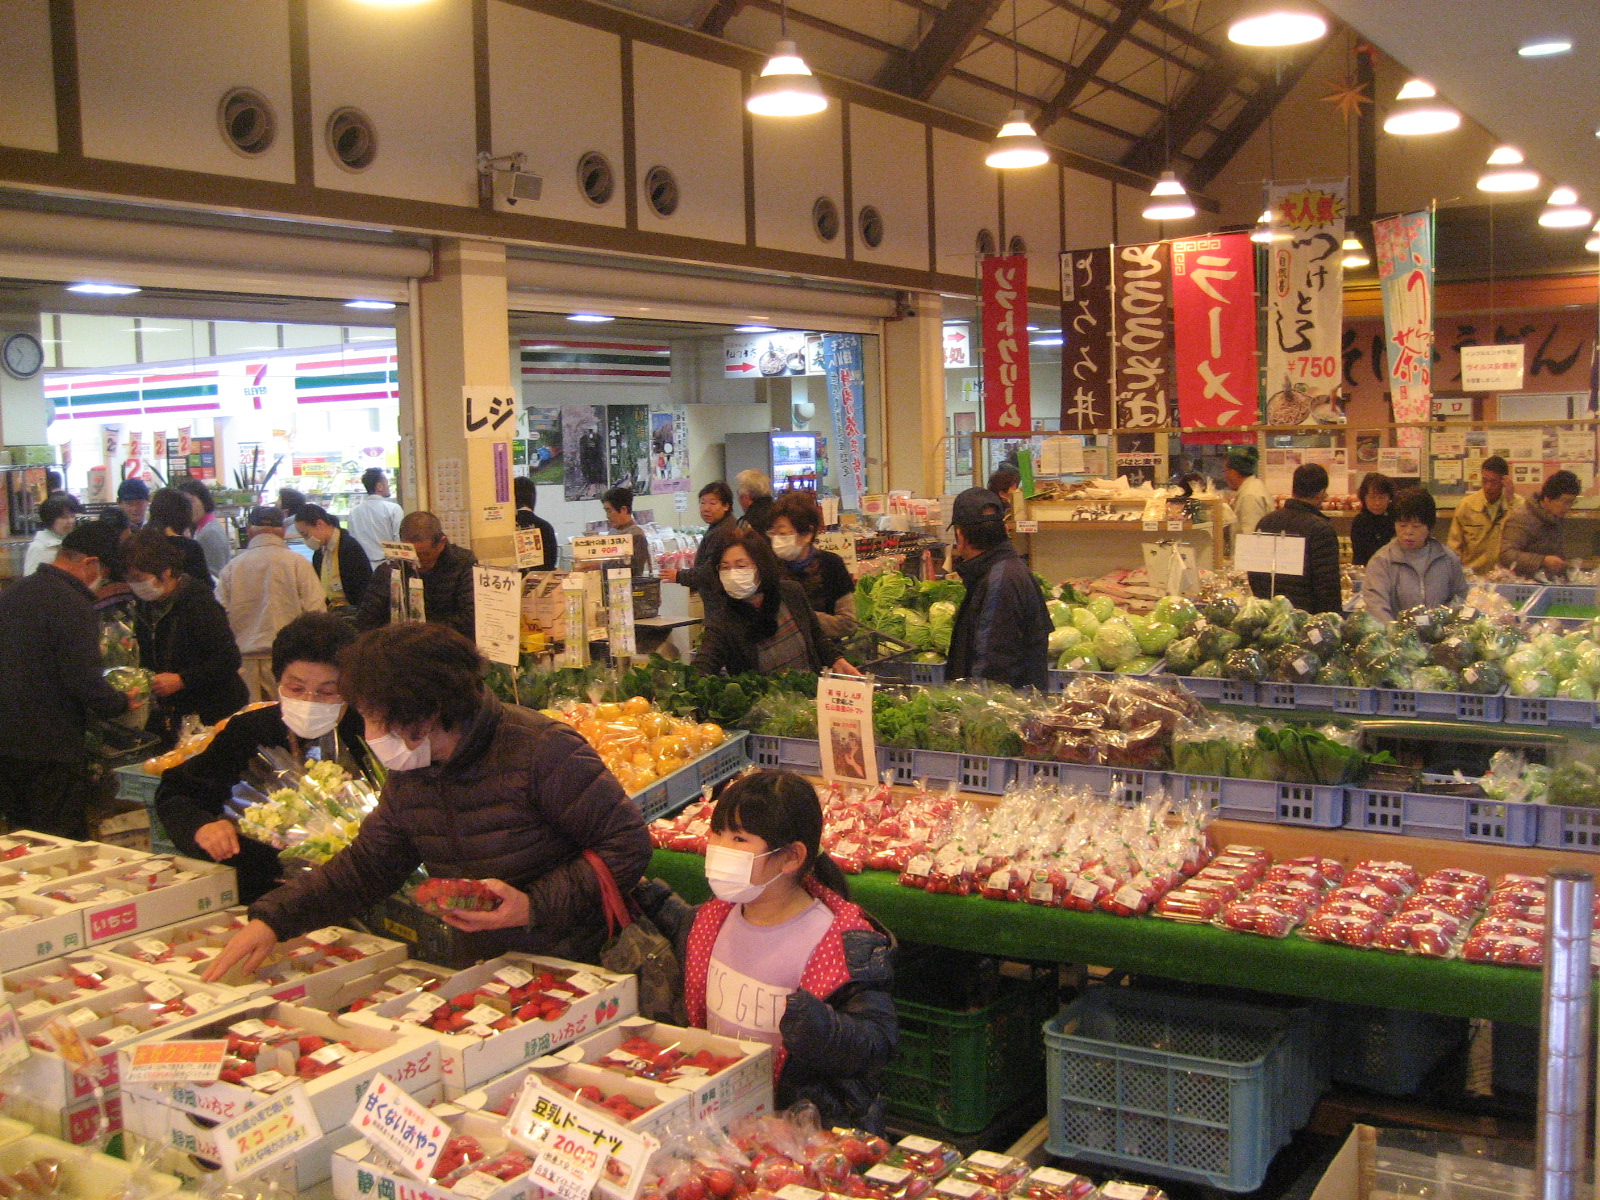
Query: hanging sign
column 1086, row 352
column 529, row 545
column 1491, row 369
column 1305, row 317
column 1214, row 331
column 489, row 412
column 842, row 365
column 1404, row 246
column 844, row 723
column 1141, row 322
column 1007, row 383
column 497, row 613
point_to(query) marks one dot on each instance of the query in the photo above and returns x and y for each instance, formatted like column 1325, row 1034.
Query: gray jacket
column 1529, row 535
column 1398, row 579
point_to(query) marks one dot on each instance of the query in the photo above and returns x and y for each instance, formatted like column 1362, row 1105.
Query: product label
column 1129, row 896
column 988, row 1158
column 175, row 1062
column 483, row 1014
column 513, row 977
column 402, row 982
column 324, row 937
column 400, row 1127
column 1123, row 1191
column 1053, row 1177
column 893, row 1176
column 959, row 1187
column 163, row 990
column 1085, row 889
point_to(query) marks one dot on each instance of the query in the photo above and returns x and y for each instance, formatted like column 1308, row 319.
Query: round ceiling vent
column 871, row 221
column 1017, row 244
column 825, row 218
column 595, row 179
column 247, row 121
column 661, row 191
column 352, row 140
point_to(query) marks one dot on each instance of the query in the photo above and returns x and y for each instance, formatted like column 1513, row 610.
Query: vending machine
column 790, row 460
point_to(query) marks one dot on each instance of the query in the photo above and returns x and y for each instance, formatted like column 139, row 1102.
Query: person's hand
column 670, row 574
column 1554, row 562
column 247, row 949
column 166, row 683
column 219, row 839
column 844, row 666
column 512, row 913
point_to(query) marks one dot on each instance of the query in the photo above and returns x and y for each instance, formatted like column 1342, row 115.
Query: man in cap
column 1002, row 629
column 444, row 570
column 264, row 587
column 133, row 498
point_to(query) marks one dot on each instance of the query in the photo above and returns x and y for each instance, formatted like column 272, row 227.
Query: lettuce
column 1060, row 612
column 1155, row 636
column 1085, row 621
column 1065, row 638
column 1102, row 607
column 1177, row 611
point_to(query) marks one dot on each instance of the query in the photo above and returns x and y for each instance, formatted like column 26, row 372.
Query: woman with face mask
column 57, row 517
column 782, row 956
column 757, row 620
column 184, row 637
column 309, row 721
column 796, row 521
column 476, row 789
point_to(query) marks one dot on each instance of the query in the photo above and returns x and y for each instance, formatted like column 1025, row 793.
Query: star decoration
column 1348, row 96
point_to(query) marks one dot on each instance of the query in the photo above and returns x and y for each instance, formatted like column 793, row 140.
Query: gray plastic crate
column 1455, row 818
column 1318, row 806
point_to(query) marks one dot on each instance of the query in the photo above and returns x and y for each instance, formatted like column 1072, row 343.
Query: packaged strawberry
column 1188, row 906
column 1347, row 928
column 1247, row 916
column 999, row 1172
column 885, row 1181
column 863, row 1149
column 1365, row 895
column 1290, row 904
column 1404, row 873
column 1457, row 906
column 951, row 1188
column 1048, row 1183
column 1428, row 934
column 1510, row 950
column 438, row 896
column 928, row 1157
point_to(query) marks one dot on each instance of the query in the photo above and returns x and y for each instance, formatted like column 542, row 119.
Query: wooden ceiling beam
column 917, row 74
column 1190, row 113
column 1250, row 118
column 1082, row 74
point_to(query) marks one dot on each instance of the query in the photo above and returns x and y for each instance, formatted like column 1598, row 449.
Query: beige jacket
column 1475, row 529
column 264, row 587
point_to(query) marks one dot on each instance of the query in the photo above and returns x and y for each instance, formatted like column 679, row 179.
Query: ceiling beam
column 918, row 73
column 1249, row 119
column 1188, row 115
column 718, row 15
column 1167, row 26
column 1083, row 73
column 1019, row 100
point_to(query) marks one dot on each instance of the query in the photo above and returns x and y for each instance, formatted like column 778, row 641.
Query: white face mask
column 740, row 582
column 312, row 543
column 310, row 718
column 392, row 751
column 728, row 872
column 146, row 589
column 787, row 546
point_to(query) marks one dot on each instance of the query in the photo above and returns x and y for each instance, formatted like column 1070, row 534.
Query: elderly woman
column 796, row 521
column 1532, row 539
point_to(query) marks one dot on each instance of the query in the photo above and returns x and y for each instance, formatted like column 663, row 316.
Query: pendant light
column 1262, row 233
column 1355, row 254
column 1276, row 25
column 1562, row 211
column 1505, row 173
column 1419, row 111
column 1168, row 200
column 1593, row 244
column 1016, row 145
column 786, row 88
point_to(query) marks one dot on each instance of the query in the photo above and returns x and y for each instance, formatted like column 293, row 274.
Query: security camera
column 506, row 177
column 517, row 186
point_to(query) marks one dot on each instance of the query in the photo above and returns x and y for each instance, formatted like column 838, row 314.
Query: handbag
column 635, row 946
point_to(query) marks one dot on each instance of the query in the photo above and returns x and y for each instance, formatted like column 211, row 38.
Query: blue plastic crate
column 1563, row 828
column 791, row 754
column 1389, row 1050
column 1201, row 1090
column 1125, row 785
column 906, row 671
column 1332, row 698
column 1551, row 710
column 1454, row 818
column 1518, row 593
column 1446, row 706
column 666, row 796
column 1318, row 806
column 974, row 772
column 1562, row 593
column 1223, row 691
column 138, row 786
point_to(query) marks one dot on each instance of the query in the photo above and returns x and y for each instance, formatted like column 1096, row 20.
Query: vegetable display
column 1216, row 745
column 921, row 613
column 1095, row 635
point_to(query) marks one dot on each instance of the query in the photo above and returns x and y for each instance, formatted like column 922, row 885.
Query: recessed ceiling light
column 1544, row 47
column 590, row 318
column 102, row 289
column 1277, row 27
column 755, row 329
column 374, row 305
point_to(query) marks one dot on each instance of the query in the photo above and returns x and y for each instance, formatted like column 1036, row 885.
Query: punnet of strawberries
column 455, row 895
column 464, row 1155
column 513, row 998
column 645, row 1059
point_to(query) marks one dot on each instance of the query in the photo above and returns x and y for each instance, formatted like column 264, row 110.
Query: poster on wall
column 583, row 441
column 669, row 452
column 1214, row 332
column 1305, row 304
column 628, row 446
column 842, row 361
column 1142, row 295
column 1086, row 330
column 1007, row 383
column 1404, row 246
column 542, row 425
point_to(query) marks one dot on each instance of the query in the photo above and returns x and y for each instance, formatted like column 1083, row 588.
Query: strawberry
column 721, row 1182
column 455, row 895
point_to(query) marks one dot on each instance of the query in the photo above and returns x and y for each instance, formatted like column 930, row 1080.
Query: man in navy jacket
column 1002, row 629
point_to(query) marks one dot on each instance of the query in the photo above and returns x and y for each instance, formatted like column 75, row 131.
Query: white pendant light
column 1168, row 200
column 1262, row 233
column 1277, row 26
column 1419, row 111
column 1355, row 254
column 1562, row 211
column 1505, row 173
column 1593, row 244
column 1017, row 145
column 786, row 88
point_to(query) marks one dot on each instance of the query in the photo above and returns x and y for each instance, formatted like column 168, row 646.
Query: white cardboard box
column 31, row 841
column 56, row 929
column 211, row 887
column 359, row 1174
column 356, row 989
column 80, row 1122
column 470, row 1061
column 672, row 1108
column 66, row 862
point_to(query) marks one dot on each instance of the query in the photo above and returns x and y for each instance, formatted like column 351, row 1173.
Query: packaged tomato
column 1309, row 874
column 1249, row 917
column 924, row 1156
column 1087, row 892
column 951, row 1188
column 1331, row 869
column 1223, row 889
column 1047, row 1183
column 890, row 1182
column 1461, row 881
column 1187, row 905
column 1000, row 1172
column 1133, row 898
column 1298, row 889
column 952, row 873
column 1048, row 886
column 1506, row 950
column 850, row 856
column 1347, row 928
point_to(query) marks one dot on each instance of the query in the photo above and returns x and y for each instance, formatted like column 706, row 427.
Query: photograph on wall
column 542, row 426
column 669, row 452
column 583, row 438
column 628, row 446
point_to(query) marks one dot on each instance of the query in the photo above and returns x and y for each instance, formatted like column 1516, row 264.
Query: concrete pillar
column 463, row 334
column 913, row 390
column 24, row 413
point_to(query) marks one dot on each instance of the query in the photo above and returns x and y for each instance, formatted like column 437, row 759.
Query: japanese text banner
column 1143, row 326
column 1404, row 246
column 1214, row 331
column 1305, row 318
column 1086, row 339
column 1007, row 383
column 842, row 366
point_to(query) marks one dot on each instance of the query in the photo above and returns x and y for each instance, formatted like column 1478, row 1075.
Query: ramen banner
column 1305, row 312
column 1086, row 337
column 1007, row 383
column 1404, row 246
column 1142, row 294
column 1214, row 332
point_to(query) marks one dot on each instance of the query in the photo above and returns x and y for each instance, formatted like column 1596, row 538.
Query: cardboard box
column 209, row 888
column 61, row 864
column 671, row 1108
column 55, row 929
column 359, row 1175
column 470, row 1061
column 31, row 841
column 1404, row 1162
column 734, row 1092
column 82, row 1122
column 121, row 823
column 398, row 976
column 47, row 989
column 405, row 1055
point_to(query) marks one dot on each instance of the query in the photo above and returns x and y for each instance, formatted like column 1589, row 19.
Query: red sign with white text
column 1007, row 384
column 1214, row 331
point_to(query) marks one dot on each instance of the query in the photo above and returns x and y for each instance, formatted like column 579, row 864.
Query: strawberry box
column 728, row 1078
column 499, row 1014
column 476, row 1141
column 405, row 979
column 129, row 898
column 66, row 862
column 654, row 1108
column 33, row 929
column 272, row 1044
column 20, row 843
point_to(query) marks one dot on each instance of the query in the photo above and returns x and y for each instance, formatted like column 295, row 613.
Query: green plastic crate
column 961, row 1069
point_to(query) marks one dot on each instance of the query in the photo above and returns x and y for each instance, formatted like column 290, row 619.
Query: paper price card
column 530, row 548
column 400, row 1127
column 174, row 1062
column 497, row 613
column 14, row 1049
column 400, row 552
column 280, row 1127
column 575, row 1147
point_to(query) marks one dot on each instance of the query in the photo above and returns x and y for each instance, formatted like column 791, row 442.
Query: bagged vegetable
column 1115, row 643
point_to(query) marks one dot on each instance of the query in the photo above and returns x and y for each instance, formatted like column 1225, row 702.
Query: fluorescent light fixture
column 1506, row 174
column 1033, row 329
column 1419, row 112
column 1563, row 197
column 1047, row 341
column 1544, row 47
column 589, row 318
column 1277, row 27
column 1168, row 200
column 786, row 87
column 1355, row 254
column 755, row 329
column 103, row 289
column 1593, row 244
column 1017, row 145
column 373, row 305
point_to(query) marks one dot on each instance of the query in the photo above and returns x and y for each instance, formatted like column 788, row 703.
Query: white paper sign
column 595, row 549
column 497, row 613
column 403, row 1129
column 281, row 1126
column 1270, row 553
column 530, row 548
column 576, row 1147
column 1491, row 368
column 489, row 413
column 844, row 724
column 400, row 552
column 173, row 1062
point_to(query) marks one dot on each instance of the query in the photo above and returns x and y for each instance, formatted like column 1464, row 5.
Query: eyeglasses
column 328, row 693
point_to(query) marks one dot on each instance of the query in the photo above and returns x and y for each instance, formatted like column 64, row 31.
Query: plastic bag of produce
column 1216, row 642
column 1183, row 656
column 1060, row 612
column 1178, row 611
column 1576, row 785
column 1103, row 607
column 1575, row 689
column 1220, row 609
column 1210, row 669
column 1079, row 658
column 1254, row 616
column 1533, row 684
column 1483, row 678
column 1085, row 622
column 1323, row 632
column 1064, row 638
column 1115, row 643
column 1434, row 679
column 1359, row 626
column 1246, row 665
column 1155, row 636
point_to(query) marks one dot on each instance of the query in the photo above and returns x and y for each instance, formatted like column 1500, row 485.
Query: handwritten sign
column 14, row 1049
column 400, row 552
column 282, row 1126
column 497, row 613
column 530, row 548
column 400, row 1127
column 174, row 1062
column 1270, row 553
column 567, row 1138
column 844, row 719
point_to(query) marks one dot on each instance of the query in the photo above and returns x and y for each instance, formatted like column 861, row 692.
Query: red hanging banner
column 1007, row 384
column 1214, row 331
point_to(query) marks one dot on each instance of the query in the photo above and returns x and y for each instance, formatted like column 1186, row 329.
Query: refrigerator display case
column 790, row 460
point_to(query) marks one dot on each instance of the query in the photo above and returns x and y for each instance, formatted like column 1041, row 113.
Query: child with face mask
column 781, row 955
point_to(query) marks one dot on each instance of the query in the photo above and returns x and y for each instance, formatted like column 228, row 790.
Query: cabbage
column 1220, row 609
column 1575, row 689
column 865, row 609
column 1589, row 666
column 1086, row 622
column 1210, row 669
column 1483, row 678
column 1562, row 663
column 1177, row 611
column 1254, row 616
column 1155, row 636
column 1526, row 661
column 891, row 588
column 1183, row 656
column 916, row 628
column 1217, row 642
column 1067, row 637
column 1078, row 660
column 1247, row 665
column 892, row 622
column 929, row 656
column 941, row 623
column 1115, row 644
column 1060, row 612
column 1102, row 607
column 1137, row 666
column 1533, row 684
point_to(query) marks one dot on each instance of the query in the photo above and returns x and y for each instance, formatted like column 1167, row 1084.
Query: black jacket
column 1369, row 533
column 528, row 519
column 446, row 593
column 188, row 634
column 194, row 559
column 759, row 515
column 355, row 571
column 707, row 554
column 825, row 578
column 51, row 677
column 729, row 644
column 1318, row 589
column 1002, row 629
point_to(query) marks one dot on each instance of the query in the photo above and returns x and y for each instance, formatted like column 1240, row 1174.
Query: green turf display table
column 1194, row 953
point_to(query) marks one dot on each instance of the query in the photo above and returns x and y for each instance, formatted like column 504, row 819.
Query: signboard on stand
column 844, row 727
column 497, row 613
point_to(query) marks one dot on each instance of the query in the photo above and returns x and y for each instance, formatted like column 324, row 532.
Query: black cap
column 975, row 506
column 133, row 489
column 264, row 516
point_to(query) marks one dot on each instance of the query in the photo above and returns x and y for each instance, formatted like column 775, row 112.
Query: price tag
column 988, row 1158
column 1124, row 1191
column 1152, row 526
column 529, row 545
column 324, row 937
column 513, row 977
column 403, row 552
column 14, row 1048
column 794, row 1191
column 484, row 1014
column 402, row 982
column 174, row 1062
column 280, row 1127
column 1027, row 527
column 1174, row 526
column 893, row 1176
column 400, row 1127
column 680, row 502
column 497, row 613
column 163, row 990
column 586, row 982
column 920, row 1145
column 574, row 1147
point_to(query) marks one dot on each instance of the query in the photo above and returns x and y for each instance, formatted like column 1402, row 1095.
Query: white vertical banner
column 1305, row 313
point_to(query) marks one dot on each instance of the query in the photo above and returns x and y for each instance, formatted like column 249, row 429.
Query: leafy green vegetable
column 1155, row 636
column 1115, row 643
